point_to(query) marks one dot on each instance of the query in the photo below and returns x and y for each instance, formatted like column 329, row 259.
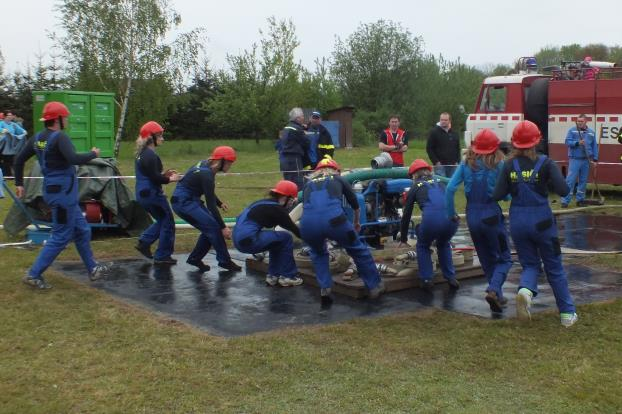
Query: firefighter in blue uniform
column 199, row 181
column 149, row 194
column 527, row 177
column 57, row 157
column 249, row 235
column 429, row 193
column 582, row 154
column 479, row 170
column 323, row 217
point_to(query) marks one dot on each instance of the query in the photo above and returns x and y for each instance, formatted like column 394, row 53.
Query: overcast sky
column 479, row 32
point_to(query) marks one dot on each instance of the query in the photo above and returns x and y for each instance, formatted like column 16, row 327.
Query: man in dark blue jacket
column 294, row 148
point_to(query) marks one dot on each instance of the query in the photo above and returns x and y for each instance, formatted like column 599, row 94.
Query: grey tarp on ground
column 12, row 144
column 114, row 194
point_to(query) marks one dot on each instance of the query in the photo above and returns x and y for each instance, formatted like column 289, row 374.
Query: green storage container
column 91, row 123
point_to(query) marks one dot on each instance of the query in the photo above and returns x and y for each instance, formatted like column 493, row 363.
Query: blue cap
column 532, row 62
column 316, row 114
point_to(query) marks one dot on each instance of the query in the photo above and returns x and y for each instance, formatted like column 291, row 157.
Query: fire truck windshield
column 493, row 99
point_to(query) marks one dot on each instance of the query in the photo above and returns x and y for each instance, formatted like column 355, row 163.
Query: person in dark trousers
column 321, row 142
column 527, row 177
column 294, row 148
column 443, row 147
column 394, row 141
column 435, row 226
column 479, row 170
column 200, row 181
column 250, row 234
column 323, row 218
column 57, row 157
column 149, row 180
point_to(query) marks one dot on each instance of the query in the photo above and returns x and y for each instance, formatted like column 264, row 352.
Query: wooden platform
column 356, row 288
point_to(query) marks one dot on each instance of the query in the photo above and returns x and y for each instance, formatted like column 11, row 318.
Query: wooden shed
column 344, row 116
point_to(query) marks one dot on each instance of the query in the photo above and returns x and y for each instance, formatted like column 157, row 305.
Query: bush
column 361, row 136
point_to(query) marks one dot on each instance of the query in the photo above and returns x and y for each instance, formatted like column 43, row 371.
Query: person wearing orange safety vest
column 394, row 141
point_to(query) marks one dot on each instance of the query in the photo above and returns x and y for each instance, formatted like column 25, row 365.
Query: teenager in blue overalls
column 582, row 153
column 149, row 194
column 323, row 217
column 250, row 237
column 527, row 177
column 57, row 157
column 199, row 181
column 435, row 226
column 479, row 170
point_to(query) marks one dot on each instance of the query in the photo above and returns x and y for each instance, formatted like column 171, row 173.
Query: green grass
column 75, row 349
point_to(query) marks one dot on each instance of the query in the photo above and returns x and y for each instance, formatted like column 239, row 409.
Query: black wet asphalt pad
column 232, row 304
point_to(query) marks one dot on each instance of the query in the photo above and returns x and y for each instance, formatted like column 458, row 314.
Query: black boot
column 198, row 263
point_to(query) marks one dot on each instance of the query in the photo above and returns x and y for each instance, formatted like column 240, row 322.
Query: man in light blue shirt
column 582, row 153
column 11, row 141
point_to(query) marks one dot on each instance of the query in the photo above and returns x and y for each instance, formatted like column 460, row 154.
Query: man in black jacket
column 294, row 148
column 443, row 147
column 320, row 139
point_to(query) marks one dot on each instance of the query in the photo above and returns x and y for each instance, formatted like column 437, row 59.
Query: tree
column 373, row 65
column 120, row 46
column 189, row 120
column 263, row 83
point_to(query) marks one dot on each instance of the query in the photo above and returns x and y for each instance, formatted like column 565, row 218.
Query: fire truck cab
column 553, row 102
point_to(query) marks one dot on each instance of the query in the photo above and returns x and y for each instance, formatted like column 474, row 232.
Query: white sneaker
column 99, row 271
column 523, row 304
column 272, row 280
column 568, row 319
column 288, row 281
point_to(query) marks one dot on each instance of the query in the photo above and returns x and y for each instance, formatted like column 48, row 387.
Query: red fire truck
column 553, row 101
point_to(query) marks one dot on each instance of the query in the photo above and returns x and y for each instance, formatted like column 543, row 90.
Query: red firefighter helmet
column 486, row 142
column 526, row 135
column 53, row 110
column 150, row 128
column 223, row 153
column 286, row 188
column 327, row 162
column 417, row 165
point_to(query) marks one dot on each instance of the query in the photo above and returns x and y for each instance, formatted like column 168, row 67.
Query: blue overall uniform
column 534, row 231
column 314, row 137
column 150, row 196
column 579, row 157
column 186, row 202
column 249, row 237
column 435, row 226
column 60, row 192
column 324, row 218
column 485, row 221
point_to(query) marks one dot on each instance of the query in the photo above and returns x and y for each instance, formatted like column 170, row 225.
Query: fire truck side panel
column 601, row 101
column 571, row 97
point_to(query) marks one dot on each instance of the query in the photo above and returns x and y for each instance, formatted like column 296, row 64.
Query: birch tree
column 121, row 45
